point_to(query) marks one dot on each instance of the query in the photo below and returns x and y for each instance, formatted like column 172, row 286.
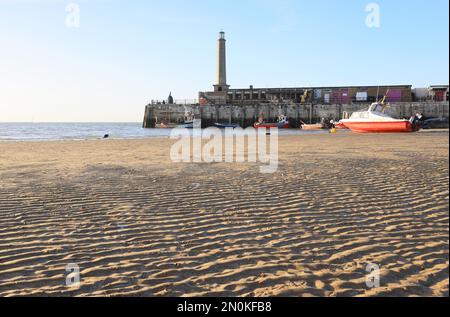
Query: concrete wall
column 247, row 115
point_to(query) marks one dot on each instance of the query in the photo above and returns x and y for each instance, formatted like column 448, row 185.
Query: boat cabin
column 376, row 110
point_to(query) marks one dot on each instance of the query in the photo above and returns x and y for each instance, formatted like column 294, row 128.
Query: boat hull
column 340, row 126
column 165, row 126
column 271, row 125
column 312, row 127
column 381, row 126
column 196, row 124
column 224, row 125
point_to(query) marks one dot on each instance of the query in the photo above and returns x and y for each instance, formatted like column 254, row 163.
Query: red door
column 439, row 96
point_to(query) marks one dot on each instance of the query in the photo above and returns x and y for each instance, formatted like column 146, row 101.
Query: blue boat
column 193, row 124
column 226, row 125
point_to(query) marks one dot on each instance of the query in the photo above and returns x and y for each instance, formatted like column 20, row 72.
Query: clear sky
column 125, row 53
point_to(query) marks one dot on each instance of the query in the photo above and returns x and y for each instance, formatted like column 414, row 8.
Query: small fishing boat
column 163, row 125
column 187, row 124
column 282, row 123
column 325, row 124
column 375, row 120
column 191, row 124
column 312, row 127
column 226, row 125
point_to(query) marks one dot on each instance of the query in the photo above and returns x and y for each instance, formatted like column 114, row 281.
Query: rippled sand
column 139, row 225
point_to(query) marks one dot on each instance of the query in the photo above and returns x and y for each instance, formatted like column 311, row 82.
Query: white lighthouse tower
column 221, row 84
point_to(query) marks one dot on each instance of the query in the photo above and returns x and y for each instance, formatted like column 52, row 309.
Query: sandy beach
column 139, row 225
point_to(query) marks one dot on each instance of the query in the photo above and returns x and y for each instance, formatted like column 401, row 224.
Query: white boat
column 375, row 120
column 191, row 124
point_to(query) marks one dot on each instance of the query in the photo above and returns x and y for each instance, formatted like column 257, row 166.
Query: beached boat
column 282, row 123
column 312, row 127
column 191, row 124
column 188, row 124
column 226, row 125
column 325, row 124
column 163, row 125
column 375, row 120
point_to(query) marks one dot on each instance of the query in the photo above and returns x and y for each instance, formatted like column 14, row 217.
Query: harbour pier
column 243, row 106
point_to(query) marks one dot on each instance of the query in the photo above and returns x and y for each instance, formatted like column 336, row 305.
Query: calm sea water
column 86, row 131
column 76, row 131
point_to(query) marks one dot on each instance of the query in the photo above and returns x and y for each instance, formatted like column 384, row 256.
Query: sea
column 91, row 131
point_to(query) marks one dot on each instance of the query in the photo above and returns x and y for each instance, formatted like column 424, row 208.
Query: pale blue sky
column 126, row 53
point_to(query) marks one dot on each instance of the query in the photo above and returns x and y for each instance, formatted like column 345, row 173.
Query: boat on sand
column 282, row 123
column 191, row 124
column 226, row 125
column 325, row 124
column 312, row 127
column 375, row 120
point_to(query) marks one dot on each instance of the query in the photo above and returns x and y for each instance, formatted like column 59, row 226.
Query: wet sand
column 139, row 225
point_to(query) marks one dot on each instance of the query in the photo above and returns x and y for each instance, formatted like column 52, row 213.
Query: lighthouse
column 221, row 84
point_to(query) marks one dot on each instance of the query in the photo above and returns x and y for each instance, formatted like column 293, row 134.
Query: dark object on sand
column 106, row 136
column 226, row 125
column 435, row 123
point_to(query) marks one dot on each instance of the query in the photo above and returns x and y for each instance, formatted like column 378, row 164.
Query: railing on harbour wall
column 176, row 102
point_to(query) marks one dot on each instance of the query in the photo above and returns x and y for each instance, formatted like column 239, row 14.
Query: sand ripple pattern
column 158, row 229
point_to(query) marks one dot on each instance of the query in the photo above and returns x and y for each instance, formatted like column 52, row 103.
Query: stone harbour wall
column 247, row 115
